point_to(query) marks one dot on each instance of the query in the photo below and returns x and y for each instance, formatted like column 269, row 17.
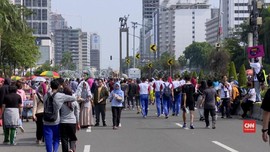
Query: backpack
column 167, row 91
column 260, row 76
column 50, row 110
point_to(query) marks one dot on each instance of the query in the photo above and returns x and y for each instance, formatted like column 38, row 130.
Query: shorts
column 190, row 106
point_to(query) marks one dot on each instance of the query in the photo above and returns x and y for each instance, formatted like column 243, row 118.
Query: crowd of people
column 62, row 106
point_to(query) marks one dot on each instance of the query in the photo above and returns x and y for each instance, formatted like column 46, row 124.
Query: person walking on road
column 117, row 98
column 188, row 91
column 158, row 94
column 202, row 87
column 51, row 129
column 208, row 102
column 84, row 98
column 177, row 96
column 38, row 110
column 12, row 111
column 266, row 117
column 100, row 96
column 167, row 96
column 144, row 89
column 70, row 121
column 132, row 89
column 225, row 94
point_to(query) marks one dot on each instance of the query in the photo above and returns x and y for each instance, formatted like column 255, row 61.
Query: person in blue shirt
column 117, row 98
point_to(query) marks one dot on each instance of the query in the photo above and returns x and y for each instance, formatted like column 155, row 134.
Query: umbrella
column 50, row 74
column 15, row 78
column 39, row 79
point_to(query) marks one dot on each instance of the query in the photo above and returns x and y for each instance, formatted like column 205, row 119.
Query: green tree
column 182, row 61
column 198, row 53
column 232, row 71
column 194, row 74
column 219, row 61
column 201, row 75
column 67, row 62
column 242, row 76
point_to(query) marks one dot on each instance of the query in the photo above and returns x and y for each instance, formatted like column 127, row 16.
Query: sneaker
column 115, row 128
column 39, row 142
column 119, row 125
column 70, row 150
column 104, row 125
column 213, row 127
column 21, row 128
column 166, row 117
column 13, row 144
column 97, row 124
column 222, row 117
column 207, row 127
column 191, row 127
column 184, row 125
column 5, row 142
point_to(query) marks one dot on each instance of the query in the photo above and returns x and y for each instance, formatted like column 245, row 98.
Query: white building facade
column 85, row 50
column 181, row 24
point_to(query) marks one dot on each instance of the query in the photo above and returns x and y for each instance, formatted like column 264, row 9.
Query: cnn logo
column 249, row 126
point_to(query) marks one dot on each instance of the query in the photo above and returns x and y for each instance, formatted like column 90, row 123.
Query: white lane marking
column 87, row 148
column 89, row 129
column 181, row 126
column 224, row 146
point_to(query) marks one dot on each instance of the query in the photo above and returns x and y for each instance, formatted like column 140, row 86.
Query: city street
column 153, row 135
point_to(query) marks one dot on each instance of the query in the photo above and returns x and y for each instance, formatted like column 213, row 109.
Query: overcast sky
column 101, row 16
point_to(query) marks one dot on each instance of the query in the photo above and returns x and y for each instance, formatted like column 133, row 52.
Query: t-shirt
column 225, row 90
column 266, row 101
column 210, row 98
column 257, row 67
column 189, row 90
column 252, row 94
column 12, row 100
column 144, row 88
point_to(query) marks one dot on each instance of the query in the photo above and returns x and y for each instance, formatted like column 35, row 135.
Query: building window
column 193, row 22
column 44, row 3
column 193, row 32
column 27, row 3
column 44, row 14
column 44, row 28
column 193, row 13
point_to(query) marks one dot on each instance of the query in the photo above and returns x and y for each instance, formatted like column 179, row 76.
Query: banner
column 255, row 51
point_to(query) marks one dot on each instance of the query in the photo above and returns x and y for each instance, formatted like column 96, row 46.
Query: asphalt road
column 153, row 134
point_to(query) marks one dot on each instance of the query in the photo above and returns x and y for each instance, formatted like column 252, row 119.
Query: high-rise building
column 57, row 21
column 149, row 6
column 39, row 20
column 212, row 27
column 86, row 50
column 69, row 40
column 181, row 24
column 95, row 51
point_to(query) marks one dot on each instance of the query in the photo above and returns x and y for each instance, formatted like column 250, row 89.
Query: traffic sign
column 153, row 47
column 170, row 62
column 138, row 56
column 150, row 65
column 127, row 61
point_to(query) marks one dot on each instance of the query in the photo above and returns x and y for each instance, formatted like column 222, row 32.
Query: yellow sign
column 150, row 65
column 170, row 62
column 127, row 61
column 153, row 47
column 138, row 56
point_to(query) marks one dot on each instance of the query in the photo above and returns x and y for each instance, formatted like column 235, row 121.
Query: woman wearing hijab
column 84, row 98
column 117, row 98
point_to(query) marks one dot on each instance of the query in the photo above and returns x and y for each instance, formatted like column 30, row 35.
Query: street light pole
column 134, row 27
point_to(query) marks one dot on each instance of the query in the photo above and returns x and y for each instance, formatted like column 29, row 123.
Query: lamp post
column 134, row 26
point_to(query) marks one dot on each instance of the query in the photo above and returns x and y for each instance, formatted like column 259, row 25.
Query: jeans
column 158, row 103
column 144, row 104
column 257, row 86
column 176, row 104
column 225, row 104
column 116, row 115
column 51, row 136
column 166, row 105
column 100, row 109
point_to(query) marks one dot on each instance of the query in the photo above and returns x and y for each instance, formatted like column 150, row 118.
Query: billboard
column 95, row 42
column 255, row 51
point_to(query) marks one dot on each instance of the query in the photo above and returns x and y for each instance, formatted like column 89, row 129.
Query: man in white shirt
column 257, row 67
column 144, row 89
column 157, row 90
column 177, row 96
column 225, row 92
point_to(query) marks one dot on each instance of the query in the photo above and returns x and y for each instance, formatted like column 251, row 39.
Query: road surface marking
column 181, row 126
column 224, row 146
column 87, row 148
column 89, row 129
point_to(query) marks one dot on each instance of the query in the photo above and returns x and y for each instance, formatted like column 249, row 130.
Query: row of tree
column 232, row 56
column 17, row 44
